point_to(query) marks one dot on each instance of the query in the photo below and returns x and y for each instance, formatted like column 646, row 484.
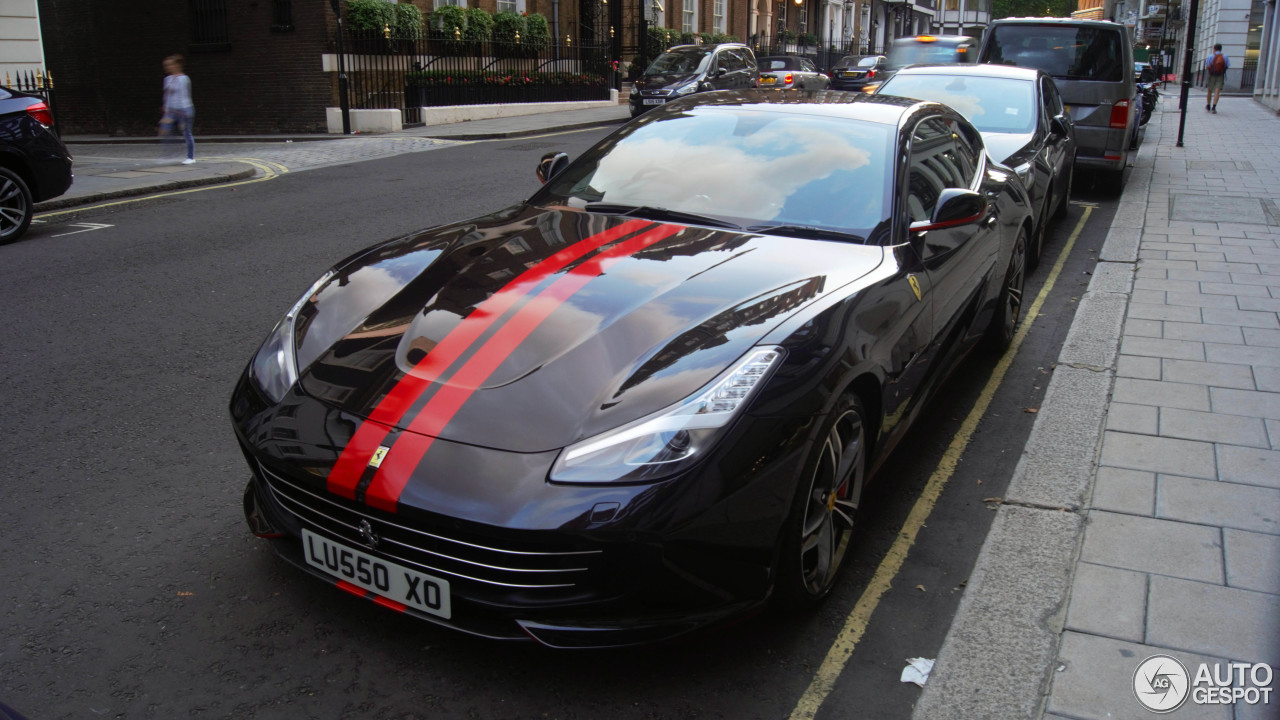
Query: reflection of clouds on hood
column 768, row 167
column 365, row 290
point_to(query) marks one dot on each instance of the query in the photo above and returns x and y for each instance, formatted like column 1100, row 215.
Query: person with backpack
column 1216, row 65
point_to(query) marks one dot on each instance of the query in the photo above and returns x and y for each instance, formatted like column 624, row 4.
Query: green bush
column 479, row 26
column 370, row 14
column 659, row 41
column 506, row 26
column 707, row 38
column 408, row 21
column 537, row 34
column 809, row 39
column 688, row 38
column 448, row 18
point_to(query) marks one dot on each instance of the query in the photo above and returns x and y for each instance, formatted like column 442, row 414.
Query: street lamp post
column 1186, row 67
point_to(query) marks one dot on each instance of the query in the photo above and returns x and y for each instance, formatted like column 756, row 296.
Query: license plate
column 849, row 74
column 767, row 80
column 653, row 101
column 394, row 582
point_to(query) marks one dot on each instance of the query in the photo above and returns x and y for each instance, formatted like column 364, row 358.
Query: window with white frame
column 690, row 22
column 456, row 3
column 717, row 16
column 515, row 6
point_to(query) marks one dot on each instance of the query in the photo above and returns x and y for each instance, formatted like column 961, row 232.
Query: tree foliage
column 1031, row 8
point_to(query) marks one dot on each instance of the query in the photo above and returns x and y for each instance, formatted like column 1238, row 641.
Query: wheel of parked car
column 1004, row 323
column 16, row 206
column 1060, row 212
column 817, row 534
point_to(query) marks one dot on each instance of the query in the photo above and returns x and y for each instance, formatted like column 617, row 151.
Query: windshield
column 913, row 52
column 1003, row 105
column 746, row 166
column 1071, row 52
column 679, row 62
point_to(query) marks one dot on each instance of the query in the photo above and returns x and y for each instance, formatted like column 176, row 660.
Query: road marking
column 270, row 170
column 855, row 625
column 86, row 227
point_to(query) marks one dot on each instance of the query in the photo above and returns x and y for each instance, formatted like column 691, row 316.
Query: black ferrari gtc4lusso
column 647, row 399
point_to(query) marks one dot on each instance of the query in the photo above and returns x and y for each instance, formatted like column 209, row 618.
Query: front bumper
column 610, row 565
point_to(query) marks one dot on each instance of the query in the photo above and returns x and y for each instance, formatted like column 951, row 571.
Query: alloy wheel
column 15, row 208
column 831, row 503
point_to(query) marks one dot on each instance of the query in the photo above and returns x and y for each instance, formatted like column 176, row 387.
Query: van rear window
column 1064, row 51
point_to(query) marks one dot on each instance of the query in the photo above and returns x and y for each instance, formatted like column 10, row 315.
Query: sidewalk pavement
column 142, row 172
column 1144, row 515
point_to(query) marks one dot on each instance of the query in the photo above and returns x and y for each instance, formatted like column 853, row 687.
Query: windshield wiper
column 806, row 231
column 657, row 213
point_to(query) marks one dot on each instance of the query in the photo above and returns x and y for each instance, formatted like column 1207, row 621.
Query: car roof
column 882, row 109
column 975, row 70
column 1053, row 21
column 705, row 46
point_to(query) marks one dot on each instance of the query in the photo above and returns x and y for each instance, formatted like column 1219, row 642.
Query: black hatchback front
column 687, row 69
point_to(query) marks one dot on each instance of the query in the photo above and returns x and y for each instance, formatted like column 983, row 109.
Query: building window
column 690, row 24
column 209, row 22
column 515, row 6
column 455, row 3
column 717, row 13
column 281, row 15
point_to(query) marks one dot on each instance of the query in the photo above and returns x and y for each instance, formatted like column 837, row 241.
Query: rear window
column 1069, row 52
column 912, row 52
column 1003, row 105
column 778, row 63
column 868, row 61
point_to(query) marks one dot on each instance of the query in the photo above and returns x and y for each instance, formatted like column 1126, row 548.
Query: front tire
column 1004, row 322
column 818, row 531
column 1060, row 212
column 16, row 206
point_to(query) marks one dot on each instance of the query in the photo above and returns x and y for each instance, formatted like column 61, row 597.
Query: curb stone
column 64, row 202
column 998, row 657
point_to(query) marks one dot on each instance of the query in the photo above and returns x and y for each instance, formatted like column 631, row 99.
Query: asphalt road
column 132, row 588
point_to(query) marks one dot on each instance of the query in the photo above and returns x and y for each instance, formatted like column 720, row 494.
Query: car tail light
column 787, row 79
column 1120, row 114
column 41, row 114
column 871, row 73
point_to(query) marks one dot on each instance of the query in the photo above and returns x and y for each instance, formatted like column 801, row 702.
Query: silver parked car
column 1092, row 63
column 787, row 72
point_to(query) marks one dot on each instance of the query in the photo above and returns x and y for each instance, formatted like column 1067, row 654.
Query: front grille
column 548, row 568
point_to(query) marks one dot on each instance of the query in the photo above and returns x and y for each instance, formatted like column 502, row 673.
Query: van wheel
column 1112, row 181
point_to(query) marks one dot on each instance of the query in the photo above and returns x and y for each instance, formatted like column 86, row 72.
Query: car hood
column 537, row 362
column 1003, row 146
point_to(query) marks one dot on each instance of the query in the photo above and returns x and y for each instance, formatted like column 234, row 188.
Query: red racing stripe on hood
column 398, row 466
column 345, row 474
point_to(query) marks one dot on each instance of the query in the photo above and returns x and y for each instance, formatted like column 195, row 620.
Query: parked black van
column 687, row 69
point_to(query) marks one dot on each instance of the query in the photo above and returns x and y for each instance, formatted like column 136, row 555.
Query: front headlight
column 275, row 369
column 686, row 89
column 635, row 90
column 670, row 440
column 1024, row 174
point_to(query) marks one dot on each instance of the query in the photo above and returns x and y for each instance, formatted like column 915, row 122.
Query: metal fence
column 35, row 83
column 1248, row 73
column 411, row 73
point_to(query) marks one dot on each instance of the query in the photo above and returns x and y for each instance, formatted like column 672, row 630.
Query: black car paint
column 860, row 74
column 30, row 149
column 661, row 87
column 690, row 550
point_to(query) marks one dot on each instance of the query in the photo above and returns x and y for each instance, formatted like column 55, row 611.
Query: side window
column 807, row 66
column 740, row 60
column 941, row 157
column 725, row 60
column 1052, row 100
column 969, row 151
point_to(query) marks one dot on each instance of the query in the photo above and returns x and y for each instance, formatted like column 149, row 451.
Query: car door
column 945, row 154
column 813, row 80
column 1060, row 150
column 725, row 70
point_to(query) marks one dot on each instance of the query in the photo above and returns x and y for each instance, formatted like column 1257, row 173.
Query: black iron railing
column 1248, row 73
column 35, row 83
column 412, row 73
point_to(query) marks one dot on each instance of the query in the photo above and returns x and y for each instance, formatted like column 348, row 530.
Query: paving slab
column 1224, row 504
column 1253, row 561
column 1157, row 454
column 1125, row 491
column 1153, row 546
column 1096, row 681
column 1216, row 375
column 1245, row 402
column 1251, row 466
column 1161, row 393
column 1108, row 601
column 1214, row 620
column 1213, row 427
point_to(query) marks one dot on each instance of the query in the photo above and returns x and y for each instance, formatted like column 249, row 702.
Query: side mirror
column 551, row 165
column 955, row 207
column 721, row 72
column 1058, row 125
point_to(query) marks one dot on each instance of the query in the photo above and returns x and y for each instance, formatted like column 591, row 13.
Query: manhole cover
column 1219, row 209
column 1214, row 165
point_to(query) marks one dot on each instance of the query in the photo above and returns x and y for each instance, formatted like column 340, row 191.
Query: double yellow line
column 855, row 625
column 270, row 171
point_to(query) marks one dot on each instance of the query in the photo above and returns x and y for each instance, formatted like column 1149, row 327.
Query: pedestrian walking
column 178, row 111
column 1216, row 65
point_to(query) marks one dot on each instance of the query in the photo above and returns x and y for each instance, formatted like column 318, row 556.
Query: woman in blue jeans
column 179, row 111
